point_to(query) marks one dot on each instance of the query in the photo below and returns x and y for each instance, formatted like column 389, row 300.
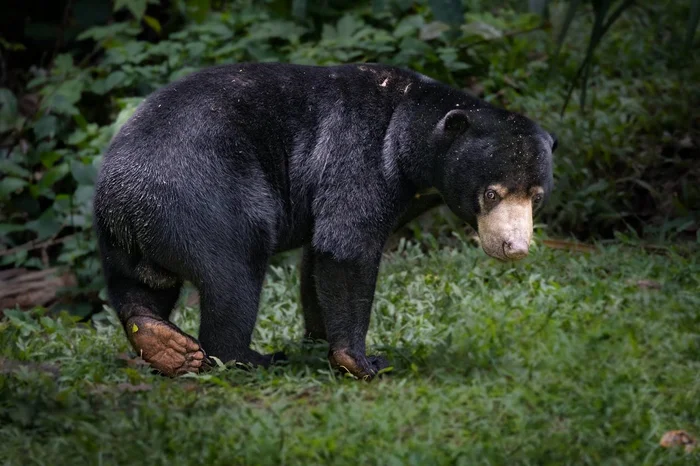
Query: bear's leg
column 144, row 312
column 315, row 327
column 345, row 292
column 230, row 294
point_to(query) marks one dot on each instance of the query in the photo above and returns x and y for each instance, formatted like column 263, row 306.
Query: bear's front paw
column 361, row 366
column 378, row 362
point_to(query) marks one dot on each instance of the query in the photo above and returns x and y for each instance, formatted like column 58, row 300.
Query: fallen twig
column 27, row 289
column 36, row 245
column 569, row 245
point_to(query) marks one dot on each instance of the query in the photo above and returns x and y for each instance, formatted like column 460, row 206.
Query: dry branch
column 30, row 288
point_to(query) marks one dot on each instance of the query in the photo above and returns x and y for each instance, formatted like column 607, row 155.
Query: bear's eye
column 537, row 199
column 490, row 194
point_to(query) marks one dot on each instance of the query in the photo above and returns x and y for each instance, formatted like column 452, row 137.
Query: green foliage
column 584, row 361
column 621, row 166
column 606, row 12
column 693, row 20
column 136, row 7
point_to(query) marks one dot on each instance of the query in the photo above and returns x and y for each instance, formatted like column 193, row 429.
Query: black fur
column 218, row 171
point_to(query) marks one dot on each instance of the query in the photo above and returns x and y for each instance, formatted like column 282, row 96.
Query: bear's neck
column 416, row 151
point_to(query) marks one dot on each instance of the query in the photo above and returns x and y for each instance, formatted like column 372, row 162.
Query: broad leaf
column 153, row 23
column 136, row 7
column 10, row 185
column 83, row 173
column 46, row 126
column 45, row 226
column 8, row 110
column 447, row 11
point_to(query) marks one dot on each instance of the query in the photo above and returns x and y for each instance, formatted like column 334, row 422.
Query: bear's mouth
column 505, row 253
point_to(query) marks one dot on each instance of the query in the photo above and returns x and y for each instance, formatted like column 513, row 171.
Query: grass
column 565, row 358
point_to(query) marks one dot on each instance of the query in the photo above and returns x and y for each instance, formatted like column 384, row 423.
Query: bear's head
column 495, row 171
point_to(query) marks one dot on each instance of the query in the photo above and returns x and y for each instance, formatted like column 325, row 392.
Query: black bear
column 216, row 172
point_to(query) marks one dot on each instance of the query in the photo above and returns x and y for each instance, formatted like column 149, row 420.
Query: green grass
column 561, row 359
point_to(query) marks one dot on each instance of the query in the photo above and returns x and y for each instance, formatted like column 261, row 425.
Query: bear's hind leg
column 144, row 312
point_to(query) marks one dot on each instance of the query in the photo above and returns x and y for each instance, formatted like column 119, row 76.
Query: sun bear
column 220, row 170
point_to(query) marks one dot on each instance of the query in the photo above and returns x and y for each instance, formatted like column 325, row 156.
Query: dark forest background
column 617, row 81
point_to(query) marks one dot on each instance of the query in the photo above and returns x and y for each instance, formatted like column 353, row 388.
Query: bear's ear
column 455, row 122
column 555, row 142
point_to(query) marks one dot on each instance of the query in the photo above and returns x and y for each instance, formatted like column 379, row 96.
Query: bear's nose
column 516, row 249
